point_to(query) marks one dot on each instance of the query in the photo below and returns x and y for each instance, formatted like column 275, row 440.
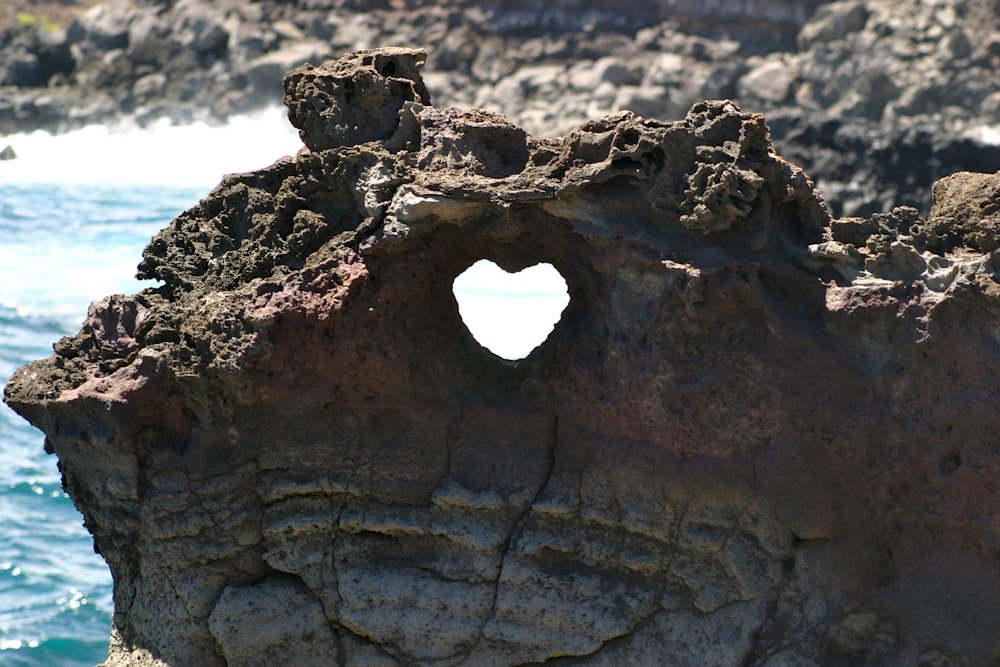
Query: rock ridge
column 758, row 435
column 876, row 100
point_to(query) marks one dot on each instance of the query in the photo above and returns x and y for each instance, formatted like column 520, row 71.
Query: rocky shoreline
column 875, row 100
column 758, row 436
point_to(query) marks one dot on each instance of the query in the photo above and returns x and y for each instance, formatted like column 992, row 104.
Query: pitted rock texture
column 876, row 100
column 757, row 436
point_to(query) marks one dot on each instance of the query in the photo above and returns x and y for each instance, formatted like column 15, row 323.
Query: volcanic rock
column 885, row 70
column 757, row 436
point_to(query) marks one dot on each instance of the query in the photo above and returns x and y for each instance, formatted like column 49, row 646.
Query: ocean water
column 61, row 246
column 75, row 213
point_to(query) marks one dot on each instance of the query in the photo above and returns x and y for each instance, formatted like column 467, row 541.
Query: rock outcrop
column 758, row 435
column 876, row 100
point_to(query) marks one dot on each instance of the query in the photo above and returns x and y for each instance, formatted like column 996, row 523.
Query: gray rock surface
column 277, row 621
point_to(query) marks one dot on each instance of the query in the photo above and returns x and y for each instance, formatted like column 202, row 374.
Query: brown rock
column 356, row 99
column 754, row 437
column 967, row 206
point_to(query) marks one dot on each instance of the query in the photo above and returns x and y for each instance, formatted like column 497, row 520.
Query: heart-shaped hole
column 510, row 314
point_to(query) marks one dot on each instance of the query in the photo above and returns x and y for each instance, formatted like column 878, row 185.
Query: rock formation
column 876, row 100
column 758, row 435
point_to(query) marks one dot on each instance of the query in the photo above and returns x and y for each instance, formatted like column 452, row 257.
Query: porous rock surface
column 876, row 100
column 758, row 435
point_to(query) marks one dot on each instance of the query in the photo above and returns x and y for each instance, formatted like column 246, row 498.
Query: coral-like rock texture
column 757, row 436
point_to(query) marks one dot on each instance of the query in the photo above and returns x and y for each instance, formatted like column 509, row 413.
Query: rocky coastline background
column 875, row 100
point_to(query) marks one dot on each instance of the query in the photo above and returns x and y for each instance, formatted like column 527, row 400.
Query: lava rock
column 757, row 435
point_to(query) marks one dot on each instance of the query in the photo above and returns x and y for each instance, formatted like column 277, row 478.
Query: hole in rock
column 510, row 314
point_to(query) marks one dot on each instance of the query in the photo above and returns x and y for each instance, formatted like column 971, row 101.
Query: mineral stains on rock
column 757, row 436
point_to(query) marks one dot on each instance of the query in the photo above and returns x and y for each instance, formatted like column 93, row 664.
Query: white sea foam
column 990, row 134
column 164, row 154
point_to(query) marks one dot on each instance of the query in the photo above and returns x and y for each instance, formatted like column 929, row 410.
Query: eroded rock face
column 758, row 436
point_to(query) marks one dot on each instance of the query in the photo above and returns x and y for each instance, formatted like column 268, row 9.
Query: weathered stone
column 273, row 622
column 200, row 26
column 757, row 436
column 354, row 100
column 771, row 81
column 265, row 72
column 833, row 21
column 899, row 68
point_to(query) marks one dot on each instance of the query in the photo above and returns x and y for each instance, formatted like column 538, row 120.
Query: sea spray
column 990, row 134
column 163, row 154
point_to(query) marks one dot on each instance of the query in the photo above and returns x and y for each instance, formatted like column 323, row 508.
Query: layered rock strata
column 757, row 436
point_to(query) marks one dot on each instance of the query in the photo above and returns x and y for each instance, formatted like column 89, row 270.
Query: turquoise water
column 61, row 247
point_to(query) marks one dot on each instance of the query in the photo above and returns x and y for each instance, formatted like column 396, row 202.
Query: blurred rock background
column 875, row 99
